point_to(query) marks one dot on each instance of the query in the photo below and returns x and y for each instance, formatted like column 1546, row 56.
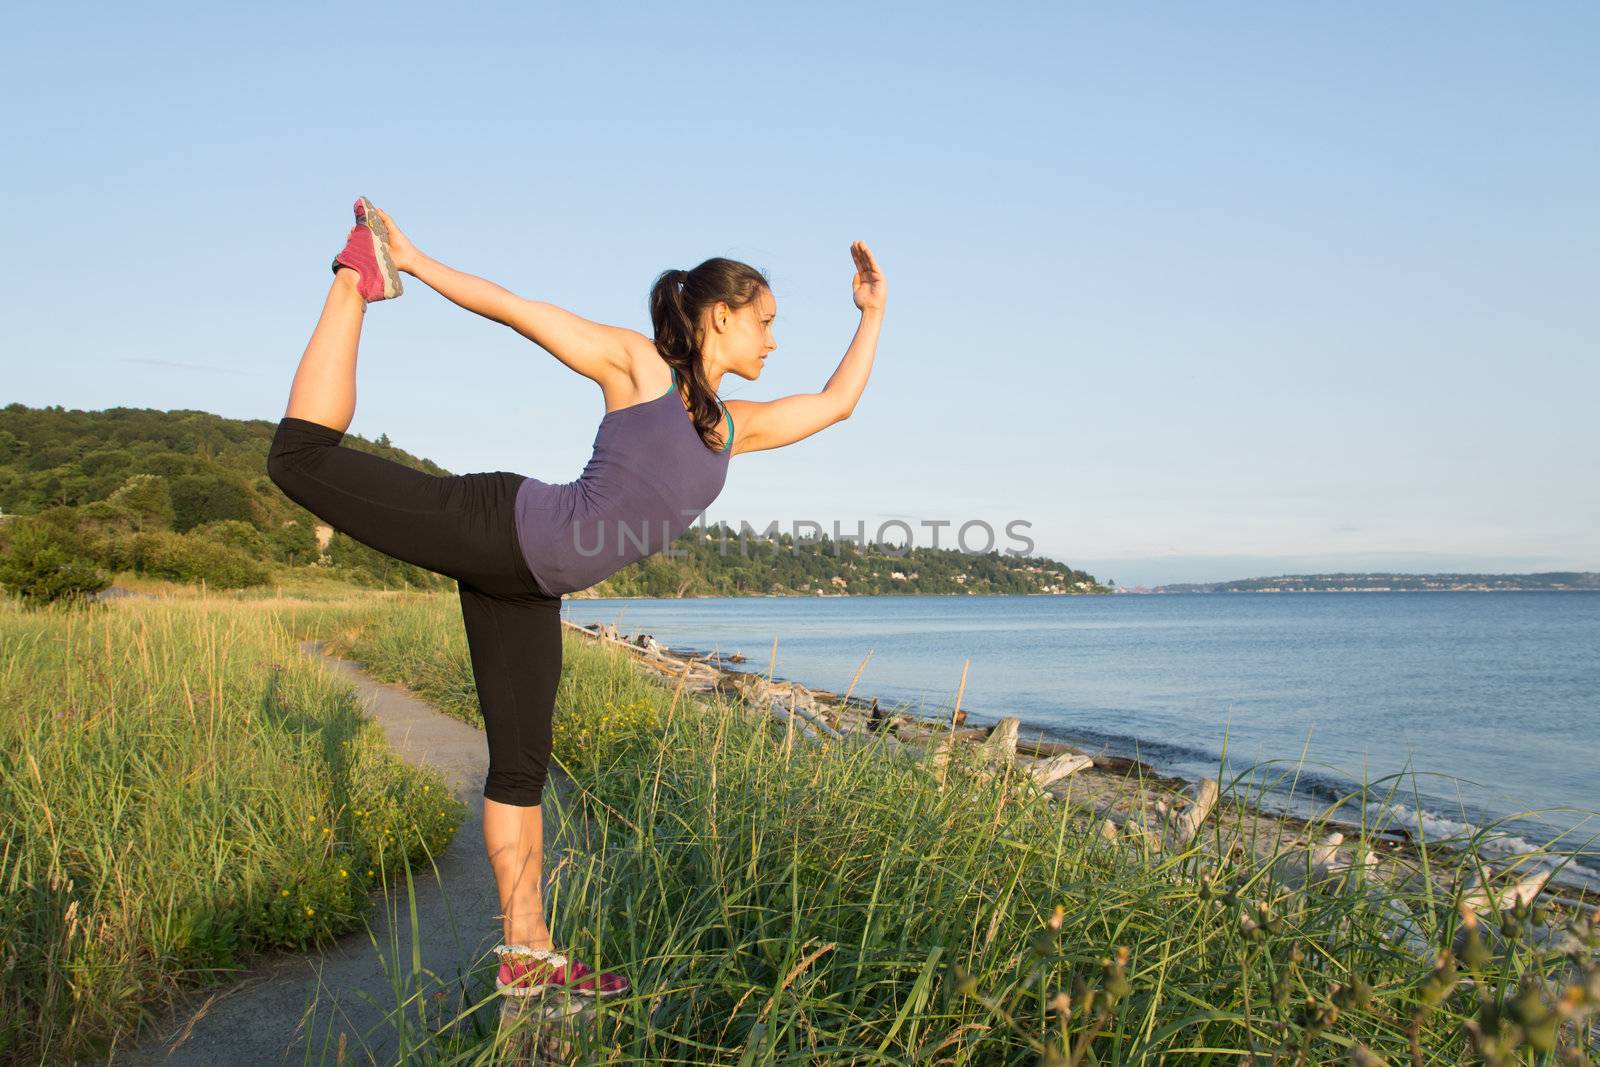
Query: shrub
column 104, row 517
column 101, row 533
column 235, row 534
column 368, row 566
column 64, row 525
column 116, row 550
column 41, row 569
column 295, row 543
column 186, row 558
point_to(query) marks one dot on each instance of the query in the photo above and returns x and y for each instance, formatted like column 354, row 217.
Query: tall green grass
column 778, row 901
column 179, row 786
column 604, row 710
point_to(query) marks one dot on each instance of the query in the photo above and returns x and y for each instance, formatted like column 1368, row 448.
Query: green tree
column 201, row 498
column 41, row 570
column 149, row 498
column 12, row 448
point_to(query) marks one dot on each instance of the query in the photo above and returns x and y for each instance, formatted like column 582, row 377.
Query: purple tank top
column 648, row 479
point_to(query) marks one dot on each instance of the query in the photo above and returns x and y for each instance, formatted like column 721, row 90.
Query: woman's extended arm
column 593, row 349
column 775, row 423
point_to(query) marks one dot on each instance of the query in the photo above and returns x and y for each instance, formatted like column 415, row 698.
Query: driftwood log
column 1170, row 825
column 1048, row 772
column 999, row 749
column 1183, row 824
column 808, row 722
column 1485, row 899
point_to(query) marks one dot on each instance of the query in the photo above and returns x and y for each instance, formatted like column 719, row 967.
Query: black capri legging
column 462, row 526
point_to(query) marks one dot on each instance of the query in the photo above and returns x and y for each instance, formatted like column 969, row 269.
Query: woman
column 516, row 544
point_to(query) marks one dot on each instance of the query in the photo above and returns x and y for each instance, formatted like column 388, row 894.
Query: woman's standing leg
column 515, row 641
column 515, row 644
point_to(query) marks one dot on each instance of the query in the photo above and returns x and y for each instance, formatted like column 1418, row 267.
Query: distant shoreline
column 1391, row 582
column 1136, row 591
column 1282, row 592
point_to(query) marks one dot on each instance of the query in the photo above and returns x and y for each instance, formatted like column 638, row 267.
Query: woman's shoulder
column 637, row 346
column 647, row 373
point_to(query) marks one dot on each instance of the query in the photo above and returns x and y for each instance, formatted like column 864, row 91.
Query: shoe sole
column 380, row 241
column 547, row 1009
column 600, row 996
column 533, row 991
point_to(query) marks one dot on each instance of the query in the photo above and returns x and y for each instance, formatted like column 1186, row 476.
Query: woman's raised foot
column 366, row 251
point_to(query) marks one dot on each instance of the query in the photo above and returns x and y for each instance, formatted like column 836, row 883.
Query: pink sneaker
column 366, row 251
column 527, row 972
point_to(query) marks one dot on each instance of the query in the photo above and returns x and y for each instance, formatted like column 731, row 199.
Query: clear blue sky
column 1198, row 291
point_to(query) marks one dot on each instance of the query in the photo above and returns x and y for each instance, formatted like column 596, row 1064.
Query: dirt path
column 264, row 1016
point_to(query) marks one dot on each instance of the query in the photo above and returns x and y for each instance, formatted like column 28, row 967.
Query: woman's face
column 748, row 335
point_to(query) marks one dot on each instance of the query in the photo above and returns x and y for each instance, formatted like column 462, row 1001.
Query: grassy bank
column 775, row 900
column 179, row 787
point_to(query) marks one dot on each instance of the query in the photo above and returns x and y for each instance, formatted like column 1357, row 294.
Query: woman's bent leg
column 324, row 389
column 515, row 644
column 462, row 525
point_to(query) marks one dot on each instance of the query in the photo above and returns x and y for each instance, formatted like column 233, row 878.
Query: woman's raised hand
column 871, row 288
column 401, row 250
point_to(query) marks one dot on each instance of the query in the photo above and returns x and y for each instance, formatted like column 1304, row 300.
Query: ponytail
column 677, row 300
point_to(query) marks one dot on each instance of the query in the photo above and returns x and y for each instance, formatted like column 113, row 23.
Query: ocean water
column 1469, row 710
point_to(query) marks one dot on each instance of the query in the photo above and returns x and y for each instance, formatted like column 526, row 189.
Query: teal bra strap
column 725, row 410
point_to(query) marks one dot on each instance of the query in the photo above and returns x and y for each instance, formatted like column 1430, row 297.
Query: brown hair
column 677, row 300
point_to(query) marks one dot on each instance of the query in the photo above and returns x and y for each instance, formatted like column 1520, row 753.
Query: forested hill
column 718, row 560
column 184, row 495
column 179, row 495
column 216, row 468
